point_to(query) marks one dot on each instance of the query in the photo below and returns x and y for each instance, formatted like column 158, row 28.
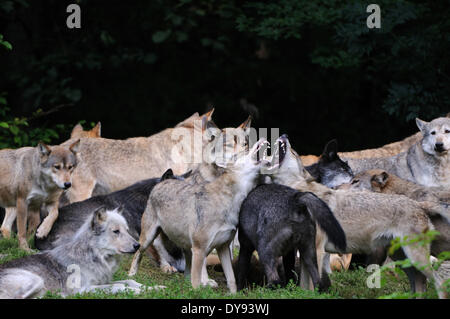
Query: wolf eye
column 70, row 167
column 355, row 181
column 447, row 131
column 116, row 232
column 57, row 166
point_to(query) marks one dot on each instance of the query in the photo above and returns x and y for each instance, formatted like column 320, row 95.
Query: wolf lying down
column 85, row 263
column 134, row 200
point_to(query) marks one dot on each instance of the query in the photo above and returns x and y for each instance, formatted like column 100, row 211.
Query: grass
column 347, row 284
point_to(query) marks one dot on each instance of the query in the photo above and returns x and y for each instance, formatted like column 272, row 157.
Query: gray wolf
column 277, row 221
column 132, row 199
column 10, row 214
column 383, row 151
column 370, row 220
column 426, row 162
column 85, row 263
column 200, row 217
column 34, row 176
column 78, row 132
column 330, row 170
column 433, row 199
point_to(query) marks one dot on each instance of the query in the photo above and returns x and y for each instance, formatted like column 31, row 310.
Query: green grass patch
column 347, row 284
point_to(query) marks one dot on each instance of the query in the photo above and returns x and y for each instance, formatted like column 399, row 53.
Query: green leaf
column 161, row 36
column 4, row 124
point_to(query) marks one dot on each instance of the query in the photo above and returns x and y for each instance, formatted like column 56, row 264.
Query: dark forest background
column 311, row 68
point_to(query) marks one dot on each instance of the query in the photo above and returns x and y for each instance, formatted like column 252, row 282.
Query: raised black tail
column 322, row 214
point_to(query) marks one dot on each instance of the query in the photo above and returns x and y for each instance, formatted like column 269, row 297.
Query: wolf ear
column 76, row 130
column 167, row 174
column 379, row 180
column 97, row 130
column 330, row 150
column 75, row 147
column 209, row 114
column 422, row 125
column 98, row 219
column 246, row 124
column 120, row 209
column 44, row 150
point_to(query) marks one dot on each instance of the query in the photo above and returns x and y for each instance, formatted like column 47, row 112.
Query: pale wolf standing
column 85, row 263
column 10, row 212
column 33, row 176
column 199, row 217
column 383, row 151
column 370, row 220
column 426, row 162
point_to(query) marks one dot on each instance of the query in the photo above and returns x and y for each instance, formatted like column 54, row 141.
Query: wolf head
column 372, row 180
column 110, row 230
column 332, row 170
column 286, row 166
column 436, row 136
column 78, row 132
column 57, row 164
column 249, row 163
column 231, row 143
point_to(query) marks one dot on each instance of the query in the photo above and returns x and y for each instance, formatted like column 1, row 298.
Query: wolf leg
column 206, row 281
column 225, row 260
column 22, row 212
column 8, row 221
column 188, row 256
column 420, row 255
column 245, row 255
column 149, row 230
column 309, row 262
column 198, row 259
column 34, row 219
column 270, row 264
column 47, row 224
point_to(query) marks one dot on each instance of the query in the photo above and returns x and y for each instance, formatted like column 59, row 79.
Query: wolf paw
column 5, row 233
column 211, row 283
column 168, row 269
column 42, row 231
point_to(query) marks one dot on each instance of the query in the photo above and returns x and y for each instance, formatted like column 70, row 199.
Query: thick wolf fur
column 330, row 170
column 85, row 263
column 133, row 200
column 383, row 151
column 200, row 217
column 277, row 220
column 426, row 162
column 34, row 176
column 10, row 213
column 370, row 220
column 116, row 164
column 433, row 200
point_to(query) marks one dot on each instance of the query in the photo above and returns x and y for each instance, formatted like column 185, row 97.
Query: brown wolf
column 10, row 212
column 33, row 176
column 116, row 164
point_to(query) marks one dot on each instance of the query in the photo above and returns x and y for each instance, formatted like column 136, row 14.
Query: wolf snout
column 439, row 147
column 136, row 246
column 67, row 185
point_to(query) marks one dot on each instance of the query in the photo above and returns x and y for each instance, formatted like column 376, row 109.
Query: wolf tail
column 323, row 216
column 437, row 208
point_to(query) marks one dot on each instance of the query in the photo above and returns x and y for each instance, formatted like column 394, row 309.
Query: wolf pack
column 195, row 194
